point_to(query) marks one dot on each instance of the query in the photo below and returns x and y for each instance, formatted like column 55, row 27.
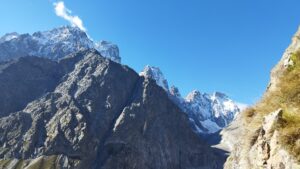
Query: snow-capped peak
column 208, row 113
column 214, row 111
column 195, row 95
column 65, row 34
column 155, row 74
column 54, row 44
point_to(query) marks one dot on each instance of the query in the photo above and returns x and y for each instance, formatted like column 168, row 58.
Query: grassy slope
column 286, row 97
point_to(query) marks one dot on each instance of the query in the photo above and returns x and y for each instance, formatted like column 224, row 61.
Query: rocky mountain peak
column 108, row 50
column 214, row 112
column 155, row 74
column 63, row 34
column 53, row 44
column 194, row 95
column 175, row 91
column 207, row 113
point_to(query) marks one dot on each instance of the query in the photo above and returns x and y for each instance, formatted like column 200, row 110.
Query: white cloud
column 65, row 13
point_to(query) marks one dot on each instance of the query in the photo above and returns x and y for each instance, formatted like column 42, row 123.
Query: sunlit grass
column 285, row 97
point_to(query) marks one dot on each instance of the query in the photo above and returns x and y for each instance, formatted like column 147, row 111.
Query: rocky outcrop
column 155, row 73
column 285, row 62
column 266, row 135
column 262, row 151
column 99, row 114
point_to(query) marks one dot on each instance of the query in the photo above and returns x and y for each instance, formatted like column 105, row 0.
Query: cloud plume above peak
column 65, row 13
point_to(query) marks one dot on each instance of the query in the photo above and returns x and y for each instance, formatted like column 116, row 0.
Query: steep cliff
column 267, row 134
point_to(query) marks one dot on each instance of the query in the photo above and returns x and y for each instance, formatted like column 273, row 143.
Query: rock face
column 108, row 50
column 210, row 113
column 267, row 134
column 155, row 74
column 285, row 61
column 90, row 112
column 24, row 80
column 53, row 44
column 263, row 150
column 207, row 113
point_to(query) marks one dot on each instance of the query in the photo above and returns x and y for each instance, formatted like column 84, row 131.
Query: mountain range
column 207, row 113
column 68, row 103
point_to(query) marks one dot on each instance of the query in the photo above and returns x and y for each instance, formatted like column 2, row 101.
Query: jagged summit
column 214, row 111
column 195, row 95
column 155, row 73
column 208, row 113
column 65, row 34
column 108, row 50
column 53, row 44
column 175, row 91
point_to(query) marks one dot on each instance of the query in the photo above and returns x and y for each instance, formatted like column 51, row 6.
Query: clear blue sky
column 209, row 45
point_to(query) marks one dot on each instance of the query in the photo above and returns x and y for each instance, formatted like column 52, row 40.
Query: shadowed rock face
column 95, row 113
column 24, row 80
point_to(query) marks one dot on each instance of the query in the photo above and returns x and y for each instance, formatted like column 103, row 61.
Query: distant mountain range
column 54, row 44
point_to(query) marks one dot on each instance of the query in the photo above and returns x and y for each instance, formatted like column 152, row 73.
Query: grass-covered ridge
column 46, row 162
column 286, row 97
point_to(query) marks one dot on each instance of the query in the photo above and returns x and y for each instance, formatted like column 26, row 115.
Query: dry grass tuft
column 286, row 97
